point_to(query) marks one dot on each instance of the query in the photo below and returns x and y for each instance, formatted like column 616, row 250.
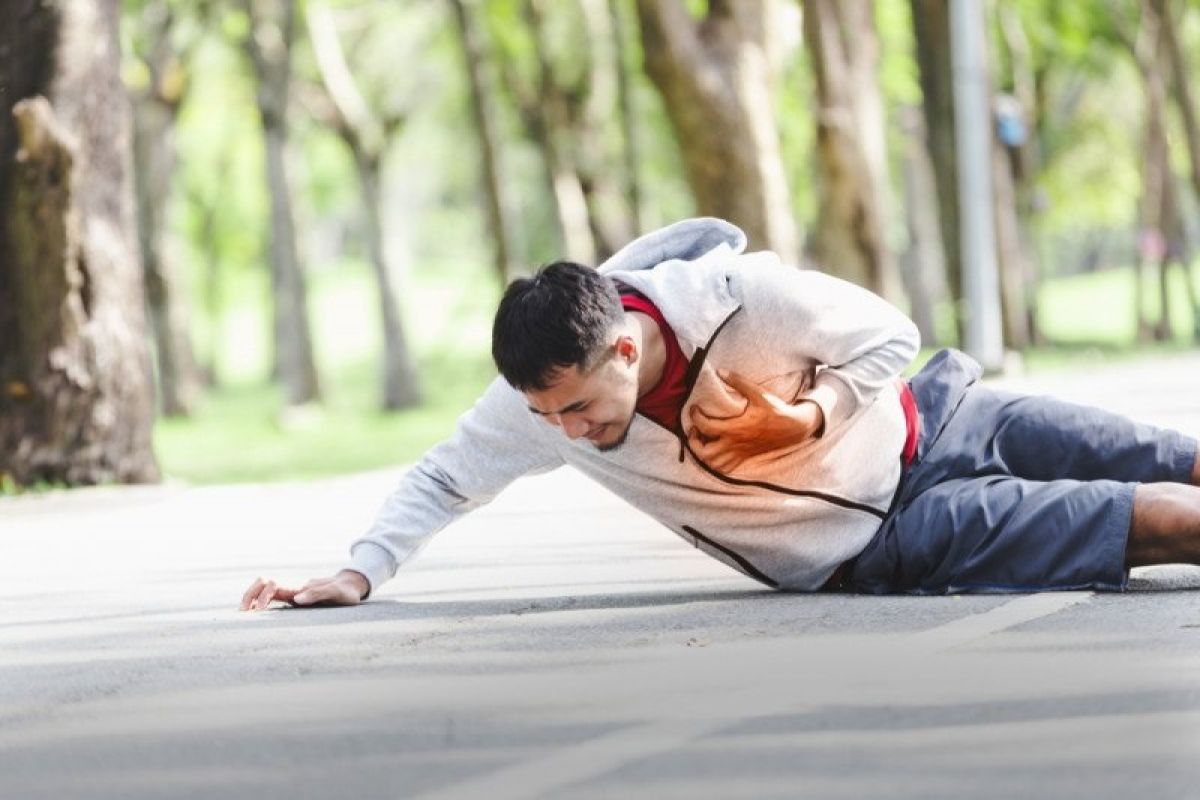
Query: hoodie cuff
column 374, row 563
column 827, row 394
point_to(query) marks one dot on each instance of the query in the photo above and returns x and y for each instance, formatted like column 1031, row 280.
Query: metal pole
column 983, row 337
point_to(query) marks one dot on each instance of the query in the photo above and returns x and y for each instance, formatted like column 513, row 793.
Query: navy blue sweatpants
column 1013, row 493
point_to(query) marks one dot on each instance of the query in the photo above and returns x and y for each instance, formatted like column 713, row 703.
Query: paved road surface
column 559, row 644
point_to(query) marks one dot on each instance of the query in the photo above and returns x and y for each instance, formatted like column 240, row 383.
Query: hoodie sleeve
column 494, row 443
column 856, row 340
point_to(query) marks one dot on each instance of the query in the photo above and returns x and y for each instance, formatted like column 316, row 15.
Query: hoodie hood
column 674, row 265
column 686, row 240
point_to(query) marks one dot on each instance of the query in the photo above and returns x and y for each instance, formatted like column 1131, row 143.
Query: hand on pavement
column 767, row 423
column 347, row 588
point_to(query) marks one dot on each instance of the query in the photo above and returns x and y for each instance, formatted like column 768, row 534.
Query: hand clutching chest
column 766, row 423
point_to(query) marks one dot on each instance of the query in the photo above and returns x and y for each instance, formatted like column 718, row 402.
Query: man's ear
column 627, row 349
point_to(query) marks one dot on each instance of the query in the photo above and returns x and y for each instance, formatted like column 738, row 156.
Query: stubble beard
column 620, row 440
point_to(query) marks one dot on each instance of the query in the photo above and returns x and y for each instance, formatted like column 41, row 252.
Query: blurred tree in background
column 77, row 403
column 342, row 187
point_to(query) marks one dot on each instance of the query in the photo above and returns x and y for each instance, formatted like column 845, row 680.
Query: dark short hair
column 559, row 318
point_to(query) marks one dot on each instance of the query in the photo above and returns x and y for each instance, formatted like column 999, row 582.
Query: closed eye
column 571, row 409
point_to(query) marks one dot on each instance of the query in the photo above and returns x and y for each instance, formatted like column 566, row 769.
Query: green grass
column 238, row 433
column 1096, row 310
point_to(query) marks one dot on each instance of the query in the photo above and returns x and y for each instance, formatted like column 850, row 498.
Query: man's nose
column 572, row 426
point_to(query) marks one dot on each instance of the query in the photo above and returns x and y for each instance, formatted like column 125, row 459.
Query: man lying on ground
column 756, row 410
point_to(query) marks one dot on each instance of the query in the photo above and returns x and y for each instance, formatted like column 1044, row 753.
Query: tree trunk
column 269, row 43
column 155, row 109
column 497, row 205
column 1184, row 96
column 631, row 151
column 401, row 386
column 1156, row 172
column 1025, row 161
column 850, row 235
column 931, row 25
column 594, row 143
column 715, row 80
column 549, row 118
column 76, row 398
column 923, row 265
column 1010, row 253
column 367, row 136
column 1186, row 101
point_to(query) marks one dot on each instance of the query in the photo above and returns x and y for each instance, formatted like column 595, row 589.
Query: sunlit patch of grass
column 241, row 433
column 1096, row 311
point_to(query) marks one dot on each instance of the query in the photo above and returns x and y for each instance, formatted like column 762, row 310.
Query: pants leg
column 1045, row 439
column 1013, row 492
column 1001, row 534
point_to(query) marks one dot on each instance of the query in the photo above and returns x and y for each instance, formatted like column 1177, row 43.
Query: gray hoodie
column 787, row 518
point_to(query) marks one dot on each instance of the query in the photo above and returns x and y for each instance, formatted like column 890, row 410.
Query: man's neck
column 653, row 351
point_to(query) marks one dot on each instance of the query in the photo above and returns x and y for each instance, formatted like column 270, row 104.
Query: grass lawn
column 239, row 434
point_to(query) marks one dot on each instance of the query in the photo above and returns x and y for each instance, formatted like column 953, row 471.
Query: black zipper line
column 774, row 487
column 693, row 374
column 689, row 380
column 746, row 566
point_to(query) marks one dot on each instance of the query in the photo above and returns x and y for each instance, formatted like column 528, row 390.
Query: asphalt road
column 559, row 644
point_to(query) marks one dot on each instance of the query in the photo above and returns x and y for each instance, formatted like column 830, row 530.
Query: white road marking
column 566, row 766
column 1015, row 612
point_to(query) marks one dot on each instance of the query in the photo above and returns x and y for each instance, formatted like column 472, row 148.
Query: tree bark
column 1026, row 161
column 1010, row 253
column 367, row 136
column 631, row 151
column 401, row 384
column 496, row 197
column 1184, row 96
column 850, row 235
column 550, row 118
column 269, row 44
column 1186, row 101
column 715, row 79
column 76, row 397
column 931, row 25
column 1156, row 173
column 923, row 265
column 596, row 105
column 155, row 110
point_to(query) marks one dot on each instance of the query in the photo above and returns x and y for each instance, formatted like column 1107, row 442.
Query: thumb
column 745, row 387
column 306, row 596
column 705, row 423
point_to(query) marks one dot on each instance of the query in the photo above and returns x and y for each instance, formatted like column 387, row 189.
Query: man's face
column 597, row 405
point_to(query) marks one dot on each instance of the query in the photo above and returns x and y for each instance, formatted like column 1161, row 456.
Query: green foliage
column 407, row 62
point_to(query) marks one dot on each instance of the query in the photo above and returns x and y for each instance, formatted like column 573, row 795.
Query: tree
column 849, row 237
column 715, row 80
column 931, row 24
column 499, row 214
column 923, row 263
column 1017, row 163
column 631, row 151
column 76, row 404
column 158, row 92
column 1163, row 238
column 269, row 46
column 1181, row 84
column 367, row 134
column 565, row 103
column 931, row 27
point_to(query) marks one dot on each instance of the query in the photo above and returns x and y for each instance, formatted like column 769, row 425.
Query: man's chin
column 605, row 447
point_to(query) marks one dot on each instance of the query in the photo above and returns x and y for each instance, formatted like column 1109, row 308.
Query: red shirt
column 663, row 402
